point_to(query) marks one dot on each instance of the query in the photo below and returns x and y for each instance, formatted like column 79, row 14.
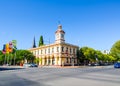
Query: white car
column 26, row 65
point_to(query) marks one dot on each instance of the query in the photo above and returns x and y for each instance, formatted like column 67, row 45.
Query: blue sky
column 92, row 23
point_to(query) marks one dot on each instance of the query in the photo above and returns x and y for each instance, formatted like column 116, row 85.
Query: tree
column 86, row 54
column 41, row 42
column 115, row 50
column 22, row 55
column 1, row 58
column 78, row 56
column 100, row 55
column 90, row 54
column 82, row 57
column 34, row 43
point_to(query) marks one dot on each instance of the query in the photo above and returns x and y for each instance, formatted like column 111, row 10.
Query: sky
column 92, row 23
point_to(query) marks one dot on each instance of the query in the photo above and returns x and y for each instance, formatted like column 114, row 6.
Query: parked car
column 93, row 64
column 26, row 65
column 34, row 65
column 117, row 65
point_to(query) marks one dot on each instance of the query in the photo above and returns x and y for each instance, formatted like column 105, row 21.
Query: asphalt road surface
column 88, row 76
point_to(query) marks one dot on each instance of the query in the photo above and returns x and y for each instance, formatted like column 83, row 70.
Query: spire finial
column 59, row 25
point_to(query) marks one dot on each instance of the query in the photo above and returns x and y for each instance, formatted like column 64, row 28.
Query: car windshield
column 117, row 63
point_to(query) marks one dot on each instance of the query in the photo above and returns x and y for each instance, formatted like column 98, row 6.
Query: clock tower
column 59, row 35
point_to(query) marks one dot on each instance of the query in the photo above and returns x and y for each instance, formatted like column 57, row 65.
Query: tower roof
column 59, row 29
column 60, row 26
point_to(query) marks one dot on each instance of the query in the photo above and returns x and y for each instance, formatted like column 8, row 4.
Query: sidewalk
column 63, row 66
column 5, row 66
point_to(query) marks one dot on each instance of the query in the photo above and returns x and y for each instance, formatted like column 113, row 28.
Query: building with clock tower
column 58, row 53
column 59, row 35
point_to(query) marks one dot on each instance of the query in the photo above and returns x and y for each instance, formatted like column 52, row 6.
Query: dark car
column 93, row 64
column 34, row 65
column 117, row 65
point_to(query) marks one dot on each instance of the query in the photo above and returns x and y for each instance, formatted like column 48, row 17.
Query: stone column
column 39, row 61
column 51, row 61
column 55, row 60
column 60, row 61
column 63, row 61
column 43, row 61
column 47, row 61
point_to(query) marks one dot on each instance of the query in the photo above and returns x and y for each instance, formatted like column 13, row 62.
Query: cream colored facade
column 58, row 53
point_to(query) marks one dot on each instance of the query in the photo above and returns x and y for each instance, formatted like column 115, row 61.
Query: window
column 57, row 49
column 62, row 49
column 66, row 49
column 66, row 60
column 70, row 50
column 70, row 60
column 39, row 51
column 36, row 52
column 73, row 50
column 52, row 50
column 45, row 51
column 49, row 50
column 62, row 35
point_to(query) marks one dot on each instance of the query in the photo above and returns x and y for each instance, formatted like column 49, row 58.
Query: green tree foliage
column 1, row 58
column 22, row 55
column 87, row 55
column 78, row 54
column 41, row 42
column 115, row 50
column 100, row 55
column 90, row 54
column 82, row 57
column 37, row 60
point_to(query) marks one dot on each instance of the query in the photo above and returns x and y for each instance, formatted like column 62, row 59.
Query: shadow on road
column 9, row 68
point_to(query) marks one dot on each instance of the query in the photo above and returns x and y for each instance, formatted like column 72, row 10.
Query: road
column 87, row 76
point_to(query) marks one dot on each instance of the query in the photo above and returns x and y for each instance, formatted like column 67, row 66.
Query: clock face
column 57, row 36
